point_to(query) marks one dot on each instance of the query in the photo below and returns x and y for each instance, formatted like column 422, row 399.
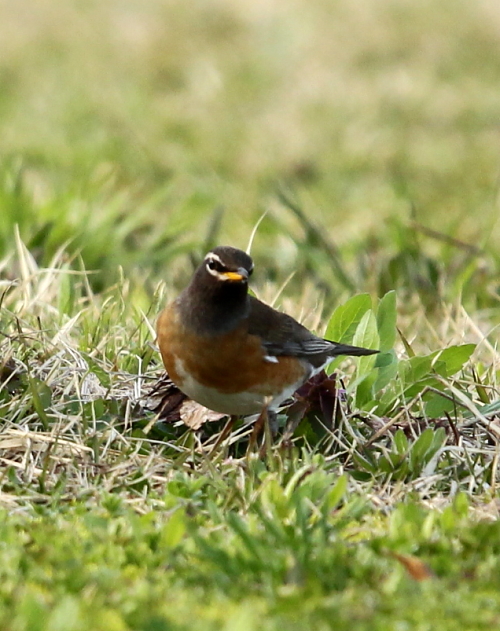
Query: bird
column 232, row 353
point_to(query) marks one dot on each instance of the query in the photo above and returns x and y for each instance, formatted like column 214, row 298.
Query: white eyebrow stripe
column 211, row 256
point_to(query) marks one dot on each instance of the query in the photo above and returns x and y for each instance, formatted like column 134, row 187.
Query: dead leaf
column 322, row 396
column 195, row 415
column 416, row 568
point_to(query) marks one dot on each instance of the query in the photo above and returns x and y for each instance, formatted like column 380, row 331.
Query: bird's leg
column 267, row 441
column 273, row 422
column 258, row 427
column 265, row 424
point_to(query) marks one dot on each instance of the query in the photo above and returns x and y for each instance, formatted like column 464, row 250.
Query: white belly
column 230, row 403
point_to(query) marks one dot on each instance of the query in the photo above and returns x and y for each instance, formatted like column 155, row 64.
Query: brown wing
column 282, row 335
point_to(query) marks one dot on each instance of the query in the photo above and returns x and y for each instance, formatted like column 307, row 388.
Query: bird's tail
column 347, row 349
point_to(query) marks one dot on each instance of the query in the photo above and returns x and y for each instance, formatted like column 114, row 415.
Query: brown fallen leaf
column 195, row 415
column 319, row 396
column 416, row 568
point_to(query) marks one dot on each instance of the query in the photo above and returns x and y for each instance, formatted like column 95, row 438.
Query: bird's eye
column 250, row 271
column 215, row 266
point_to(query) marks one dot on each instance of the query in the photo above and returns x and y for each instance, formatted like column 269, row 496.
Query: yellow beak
column 241, row 274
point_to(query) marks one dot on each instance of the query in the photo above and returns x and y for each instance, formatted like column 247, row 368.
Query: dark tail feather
column 346, row 349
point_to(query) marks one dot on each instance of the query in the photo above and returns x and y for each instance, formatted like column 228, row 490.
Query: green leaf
column 461, row 504
column 174, row 530
column 425, row 447
column 384, row 359
column 409, row 350
column 387, row 364
column 367, row 336
column 420, row 448
column 336, row 495
column 437, row 405
column 66, row 294
column 452, row 359
column 386, row 321
column 413, row 369
column 364, row 463
column 240, row 527
column 346, row 318
column 401, row 442
column 364, row 390
column 42, row 399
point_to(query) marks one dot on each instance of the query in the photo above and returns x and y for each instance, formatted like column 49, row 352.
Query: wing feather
column 282, row 335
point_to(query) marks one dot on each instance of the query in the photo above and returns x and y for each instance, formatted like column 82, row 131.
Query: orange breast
column 231, row 363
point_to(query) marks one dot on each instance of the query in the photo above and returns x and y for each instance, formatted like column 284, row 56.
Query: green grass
column 134, row 138
column 216, row 551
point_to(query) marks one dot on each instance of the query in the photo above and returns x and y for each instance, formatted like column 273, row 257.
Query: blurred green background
column 134, row 132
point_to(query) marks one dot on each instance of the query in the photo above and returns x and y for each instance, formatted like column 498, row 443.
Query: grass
column 133, row 139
